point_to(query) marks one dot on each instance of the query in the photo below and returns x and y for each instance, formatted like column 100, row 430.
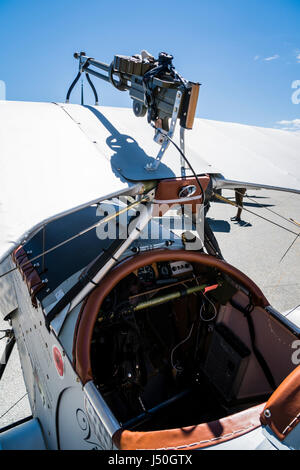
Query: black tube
column 260, row 359
column 72, row 86
column 6, row 354
column 210, row 241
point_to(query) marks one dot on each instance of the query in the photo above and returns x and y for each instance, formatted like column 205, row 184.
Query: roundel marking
column 58, row 361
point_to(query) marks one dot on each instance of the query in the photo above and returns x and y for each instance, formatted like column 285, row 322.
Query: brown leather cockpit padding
column 29, row 273
column 192, row 437
column 168, row 190
column 90, row 310
column 282, row 410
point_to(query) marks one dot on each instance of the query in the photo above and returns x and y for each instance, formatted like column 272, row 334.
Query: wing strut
column 10, row 342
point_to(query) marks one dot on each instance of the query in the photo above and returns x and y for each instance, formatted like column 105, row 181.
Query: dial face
column 164, row 270
column 146, row 274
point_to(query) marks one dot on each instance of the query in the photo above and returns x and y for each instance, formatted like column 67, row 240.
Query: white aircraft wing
column 48, row 168
column 258, row 156
column 254, row 155
column 56, row 158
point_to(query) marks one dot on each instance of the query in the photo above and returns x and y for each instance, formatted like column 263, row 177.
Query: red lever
column 209, row 288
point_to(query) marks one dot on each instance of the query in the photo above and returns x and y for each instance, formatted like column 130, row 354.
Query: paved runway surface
column 255, row 246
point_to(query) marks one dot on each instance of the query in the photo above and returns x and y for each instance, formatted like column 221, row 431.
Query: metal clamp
column 184, row 166
column 83, row 64
column 162, row 137
column 7, row 333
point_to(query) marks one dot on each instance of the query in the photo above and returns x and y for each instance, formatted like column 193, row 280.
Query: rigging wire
column 291, row 221
column 14, row 405
column 79, row 234
column 293, row 309
column 298, row 224
column 294, row 241
column 224, row 199
column 107, row 219
column 218, row 196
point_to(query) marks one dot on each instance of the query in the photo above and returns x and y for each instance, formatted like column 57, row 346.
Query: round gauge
column 164, row 270
column 146, row 274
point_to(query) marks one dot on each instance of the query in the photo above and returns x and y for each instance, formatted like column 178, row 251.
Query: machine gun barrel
column 152, row 84
column 155, row 87
column 85, row 63
column 98, row 75
column 100, row 65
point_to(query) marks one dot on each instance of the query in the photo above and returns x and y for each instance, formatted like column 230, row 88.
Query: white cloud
column 298, row 58
column 273, row 57
column 256, row 57
column 293, row 125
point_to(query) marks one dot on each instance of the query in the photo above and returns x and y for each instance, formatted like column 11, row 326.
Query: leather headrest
column 282, row 410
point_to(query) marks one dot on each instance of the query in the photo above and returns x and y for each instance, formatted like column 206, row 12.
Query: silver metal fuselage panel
column 58, row 401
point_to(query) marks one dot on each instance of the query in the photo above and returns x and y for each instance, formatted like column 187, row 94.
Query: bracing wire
column 7, row 411
column 79, row 234
column 294, row 241
column 224, row 199
column 218, row 196
column 291, row 221
column 118, row 213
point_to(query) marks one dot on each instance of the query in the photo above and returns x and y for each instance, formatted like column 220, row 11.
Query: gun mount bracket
column 162, row 137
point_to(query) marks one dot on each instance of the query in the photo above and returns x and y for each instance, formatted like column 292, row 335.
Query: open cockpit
column 175, row 338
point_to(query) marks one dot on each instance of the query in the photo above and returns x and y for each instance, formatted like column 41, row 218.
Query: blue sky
column 246, row 53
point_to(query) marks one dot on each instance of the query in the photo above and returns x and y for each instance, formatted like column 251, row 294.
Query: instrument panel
column 146, row 274
column 155, row 272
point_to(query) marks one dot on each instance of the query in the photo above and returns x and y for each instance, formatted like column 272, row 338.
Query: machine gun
column 156, row 89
